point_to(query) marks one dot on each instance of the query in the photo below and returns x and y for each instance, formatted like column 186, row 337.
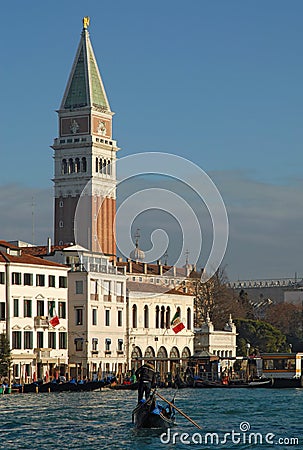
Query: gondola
column 54, row 386
column 233, row 384
column 70, row 386
column 150, row 414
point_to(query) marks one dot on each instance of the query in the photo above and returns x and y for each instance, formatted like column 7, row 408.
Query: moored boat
column 68, row 386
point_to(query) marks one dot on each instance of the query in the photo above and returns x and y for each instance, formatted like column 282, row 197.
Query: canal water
column 230, row 419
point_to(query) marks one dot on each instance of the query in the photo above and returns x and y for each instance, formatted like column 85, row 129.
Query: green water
column 102, row 420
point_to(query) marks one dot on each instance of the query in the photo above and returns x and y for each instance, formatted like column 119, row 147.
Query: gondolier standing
column 147, row 379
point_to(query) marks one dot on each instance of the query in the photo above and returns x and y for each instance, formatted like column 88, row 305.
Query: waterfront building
column 156, row 293
column 221, row 343
column 32, row 292
column 120, row 314
column 97, row 310
column 97, row 314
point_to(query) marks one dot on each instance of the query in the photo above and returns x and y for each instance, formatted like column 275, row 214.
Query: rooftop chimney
column 49, row 246
column 160, row 271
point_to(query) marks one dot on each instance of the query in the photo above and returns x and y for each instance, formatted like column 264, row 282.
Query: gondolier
column 147, row 379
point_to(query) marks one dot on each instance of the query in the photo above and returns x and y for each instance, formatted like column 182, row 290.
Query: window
column 61, row 204
column 27, row 308
column 79, row 344
column 95, row 344
column 51, row 340
column 83, row 165
column 77, row 163
column 146, row 317
column 51, row 281
column 62, row 310
column 40, row 280
column 162, row 317
column 2, row 311
column 2, row 278
column 94, row 288
column 16, row 278
column 120, row 345
column 16, row 307
column 62, row 282
column 119, row 292
column 16, row 370
column 157, row 321
column 28, row 279
column 63, row 166
column 62, row 340
column 61, row 225
column 40, row 307
column 79, row 287
column 107, row 317
column 188, row 318
column 71, row 166
column 107, row 295
column 107, row 344
column 28, row 339
column 94, row 316
column 167, row 319
column 120, row 316
column 40, row 339
column 16, row 340
column 135, row 324
column 51, row 304
column 79, row 316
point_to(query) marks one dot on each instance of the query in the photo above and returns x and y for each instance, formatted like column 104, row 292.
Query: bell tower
column 85, row 155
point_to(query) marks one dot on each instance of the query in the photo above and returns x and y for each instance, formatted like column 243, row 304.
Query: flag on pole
column 177, row 324
column 53, row 317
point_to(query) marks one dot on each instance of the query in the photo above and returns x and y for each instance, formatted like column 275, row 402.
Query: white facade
column 97, row 322
column 216, row 342
column 150, row 335
column 97, row 313
column 29, row 288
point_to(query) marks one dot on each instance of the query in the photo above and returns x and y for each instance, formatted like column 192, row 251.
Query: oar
column 179, row 410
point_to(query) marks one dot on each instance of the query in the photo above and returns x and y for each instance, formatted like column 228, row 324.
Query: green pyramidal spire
column 85, row 87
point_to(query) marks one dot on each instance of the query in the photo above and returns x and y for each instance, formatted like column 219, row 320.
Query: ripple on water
column 102, row 420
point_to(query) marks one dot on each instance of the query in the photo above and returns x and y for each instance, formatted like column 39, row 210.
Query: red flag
column 176, row 323
column 54, row 321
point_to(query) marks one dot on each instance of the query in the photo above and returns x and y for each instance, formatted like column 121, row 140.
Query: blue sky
column 217, row 82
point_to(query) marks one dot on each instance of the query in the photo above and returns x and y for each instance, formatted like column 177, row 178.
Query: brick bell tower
column 85, row 156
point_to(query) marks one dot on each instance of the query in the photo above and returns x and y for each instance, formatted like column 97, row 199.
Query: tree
column 287, row 318
column 5, row 356
column 216, row 298
column 262, row 337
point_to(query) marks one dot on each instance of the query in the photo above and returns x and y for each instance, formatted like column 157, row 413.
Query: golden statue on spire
column 85, row 21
